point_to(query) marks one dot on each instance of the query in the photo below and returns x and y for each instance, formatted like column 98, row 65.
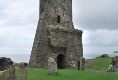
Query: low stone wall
column 7, row 74
column 117, row 61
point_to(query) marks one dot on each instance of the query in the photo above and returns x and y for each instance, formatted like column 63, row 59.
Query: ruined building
column 55, row 35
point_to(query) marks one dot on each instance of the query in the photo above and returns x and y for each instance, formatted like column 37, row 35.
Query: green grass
column 42, row 74
column 101, row 63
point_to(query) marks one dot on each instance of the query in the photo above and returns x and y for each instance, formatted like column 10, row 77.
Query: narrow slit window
column 58, row 19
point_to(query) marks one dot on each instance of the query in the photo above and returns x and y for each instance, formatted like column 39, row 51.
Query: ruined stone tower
column 55, row 35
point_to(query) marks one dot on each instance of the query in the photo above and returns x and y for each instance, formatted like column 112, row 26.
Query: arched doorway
column 61, row 61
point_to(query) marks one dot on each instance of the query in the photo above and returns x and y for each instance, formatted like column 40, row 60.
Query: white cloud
column 97, row 19
column 18, row 21
column 99, row 42
column 99, row 22
column 101, row 38
column 93, row 15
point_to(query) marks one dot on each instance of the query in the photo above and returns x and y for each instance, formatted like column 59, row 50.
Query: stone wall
column 67, row 42
column 22, row 73
column 56, row 36
column 117, row 61
column 82, row 63
column 7, row 74
column 58, row 41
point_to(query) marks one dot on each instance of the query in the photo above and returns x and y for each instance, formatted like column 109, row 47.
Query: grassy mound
column 42, row 74
column 100, row 63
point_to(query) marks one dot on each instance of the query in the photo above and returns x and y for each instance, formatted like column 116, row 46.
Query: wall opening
column 58, row 19
column 78, row 65
column 61, row 61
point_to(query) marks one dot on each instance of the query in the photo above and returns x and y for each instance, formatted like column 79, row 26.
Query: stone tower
column 55, row 35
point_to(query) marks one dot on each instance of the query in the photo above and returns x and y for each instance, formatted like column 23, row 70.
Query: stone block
column 52, row 66
column 22, row 73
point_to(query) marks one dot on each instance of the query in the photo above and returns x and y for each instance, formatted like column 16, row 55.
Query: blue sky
column 97, row 18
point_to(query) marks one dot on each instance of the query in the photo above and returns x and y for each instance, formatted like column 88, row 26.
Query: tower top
column 56, row 13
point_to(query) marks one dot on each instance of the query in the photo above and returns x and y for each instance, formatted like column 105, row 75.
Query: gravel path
column 99, row 70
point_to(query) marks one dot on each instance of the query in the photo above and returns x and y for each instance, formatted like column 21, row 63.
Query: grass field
column 101, row 63
column 42, row 74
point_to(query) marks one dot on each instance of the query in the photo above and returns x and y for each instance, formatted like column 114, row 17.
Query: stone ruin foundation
column 117, row 61
column 7, row 70
column 22, row 73
column 56, row 36
column 81, row 64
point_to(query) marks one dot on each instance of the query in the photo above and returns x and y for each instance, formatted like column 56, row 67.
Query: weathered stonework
column 117, row 61
column 82, row 63
column 52, row 66
column 55, row 35
column 7, row 70
column 22, row 73
column 8, row 74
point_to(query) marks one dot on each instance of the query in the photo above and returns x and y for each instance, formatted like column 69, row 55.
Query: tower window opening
column 58, row 19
